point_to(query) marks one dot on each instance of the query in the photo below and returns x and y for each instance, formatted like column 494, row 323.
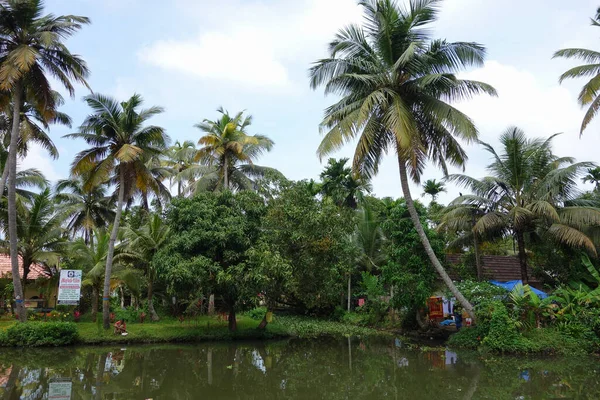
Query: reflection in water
column 330, row 369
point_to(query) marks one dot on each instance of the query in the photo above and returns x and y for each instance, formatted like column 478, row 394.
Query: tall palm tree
column 589, row 94
column 593, row 176
column 141, row 246
column 395, row 85
column 31, row 48
column 530, row 193
column 84, row 210
column 433, row 188
column 230, row 152
column 179, row 158
column 340, row 184
column 40, row 233
column 121, row 145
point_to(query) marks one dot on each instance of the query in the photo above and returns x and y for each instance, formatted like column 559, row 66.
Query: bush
column 257, row 313
column 34, row 334
column 468, row 337
column 129, row 314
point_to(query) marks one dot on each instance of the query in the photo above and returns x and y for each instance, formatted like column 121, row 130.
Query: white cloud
column 38, row 158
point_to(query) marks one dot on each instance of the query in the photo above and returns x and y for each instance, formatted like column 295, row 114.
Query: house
column 497, row 268
column 34, row 295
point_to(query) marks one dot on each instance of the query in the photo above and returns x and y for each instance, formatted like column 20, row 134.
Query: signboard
column 69, row 287
column 60, row 390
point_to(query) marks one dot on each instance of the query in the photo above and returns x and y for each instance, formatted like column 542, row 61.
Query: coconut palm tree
column 593, row 176
column 433, row 188
column 588, row 96
column 179, row 158
column 530, row 193
column 84, row 210
column 31, row 49
column 40, row 233
column 395, row 85
column 140, row 247
column 229, row 152
column 121, row 145
column 340, row 184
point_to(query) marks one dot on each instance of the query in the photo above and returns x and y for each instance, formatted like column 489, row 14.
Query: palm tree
column 179, row 158
column 84, row 210
column 40, row 233
column 141, row 246
column 589, row 93
column 121, row 145
column 395, row 86
column 530, row 193
column 433, row 188
column 31, row 47
column 230, row 153
column 593, row 176
column 340, row 184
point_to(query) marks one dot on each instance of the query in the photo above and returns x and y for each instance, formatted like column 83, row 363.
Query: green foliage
column 33, row 334
column 479, row 292
column 469, row 337
column 257, row 313
column 129, row 314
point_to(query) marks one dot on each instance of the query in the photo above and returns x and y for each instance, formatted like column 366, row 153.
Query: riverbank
column 197, row 330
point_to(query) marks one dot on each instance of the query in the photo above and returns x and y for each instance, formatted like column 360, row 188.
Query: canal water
column 293, row 369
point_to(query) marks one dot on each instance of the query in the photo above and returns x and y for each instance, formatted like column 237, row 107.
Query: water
column 295, row 369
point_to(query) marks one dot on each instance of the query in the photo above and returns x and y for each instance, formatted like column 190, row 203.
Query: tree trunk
column 349, row 290
column 153, row 314
column 477, row 255
column 12, row 201
column 211, row 304
column 111, row 253
column 26, row 269
column 425, row 241
column 122, row 297
column 94, row 302
column 226, row 172
column 522, row 257
column 4, row 178
column 209, row 363
column 232, row 320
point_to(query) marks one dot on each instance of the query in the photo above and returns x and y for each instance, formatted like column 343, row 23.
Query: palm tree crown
column 433, row 188
column 340, row 184
column 593, row 176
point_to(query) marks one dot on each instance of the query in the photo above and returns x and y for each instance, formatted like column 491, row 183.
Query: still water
column 295, row 369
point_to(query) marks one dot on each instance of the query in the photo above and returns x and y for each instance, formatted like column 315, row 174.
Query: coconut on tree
column 396, row 84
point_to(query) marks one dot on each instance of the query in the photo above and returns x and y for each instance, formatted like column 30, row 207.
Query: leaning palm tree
column 32, row 48
column 84, row 209
column 121, row 145
column 395, row 85
column 593, row 176
column 589, row 94
column 140, row 247
column 530, row 193
column 433, row 188
column 229, row 152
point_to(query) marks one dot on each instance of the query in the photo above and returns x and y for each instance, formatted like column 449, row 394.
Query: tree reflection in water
column 327, row 369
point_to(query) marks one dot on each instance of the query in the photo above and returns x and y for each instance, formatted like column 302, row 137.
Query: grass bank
column 200, row 329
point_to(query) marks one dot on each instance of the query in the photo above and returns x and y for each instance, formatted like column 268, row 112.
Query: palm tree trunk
column 349, row 290
column 226, row 172
column 12, row 201
column 153, row 314
column 3, row 179
column 111, row 253
column 425, row 241
column 477, row 255
column 232, row 320
column 94, row 302
column 522, row 257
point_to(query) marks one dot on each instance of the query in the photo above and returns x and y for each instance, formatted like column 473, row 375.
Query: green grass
column 210, row 329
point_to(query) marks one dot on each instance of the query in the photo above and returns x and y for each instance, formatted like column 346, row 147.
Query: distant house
column 33, row 296
column 498, row 268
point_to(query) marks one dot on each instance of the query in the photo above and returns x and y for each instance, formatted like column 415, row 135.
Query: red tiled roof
column 499, row 268
column 35, row 271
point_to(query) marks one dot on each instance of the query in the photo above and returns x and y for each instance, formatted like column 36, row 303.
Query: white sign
column 69, row 287
column 60, row 390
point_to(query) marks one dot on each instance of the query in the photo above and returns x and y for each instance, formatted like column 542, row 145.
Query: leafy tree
column 593, row 176
column 180, row 158
column 121, row 145
column 230, row 152
column 433, row 188
column 530, row 193
column 395, row 85
column 591, row 69
column 84, row 210
column 31, row 49
column 141, row 246
column 211, row 236
column 313, row 237
column 341, row 186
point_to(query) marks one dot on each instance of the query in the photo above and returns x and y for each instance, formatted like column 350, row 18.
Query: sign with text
column 60, row 390
column 69, row 287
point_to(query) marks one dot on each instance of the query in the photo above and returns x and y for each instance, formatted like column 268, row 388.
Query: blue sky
column 192, row 56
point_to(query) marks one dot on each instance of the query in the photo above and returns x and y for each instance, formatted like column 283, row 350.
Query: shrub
column 40, row 334
column 468, row 337
column 257, row 313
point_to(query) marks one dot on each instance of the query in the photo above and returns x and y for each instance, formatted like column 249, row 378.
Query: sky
column 193, row 56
